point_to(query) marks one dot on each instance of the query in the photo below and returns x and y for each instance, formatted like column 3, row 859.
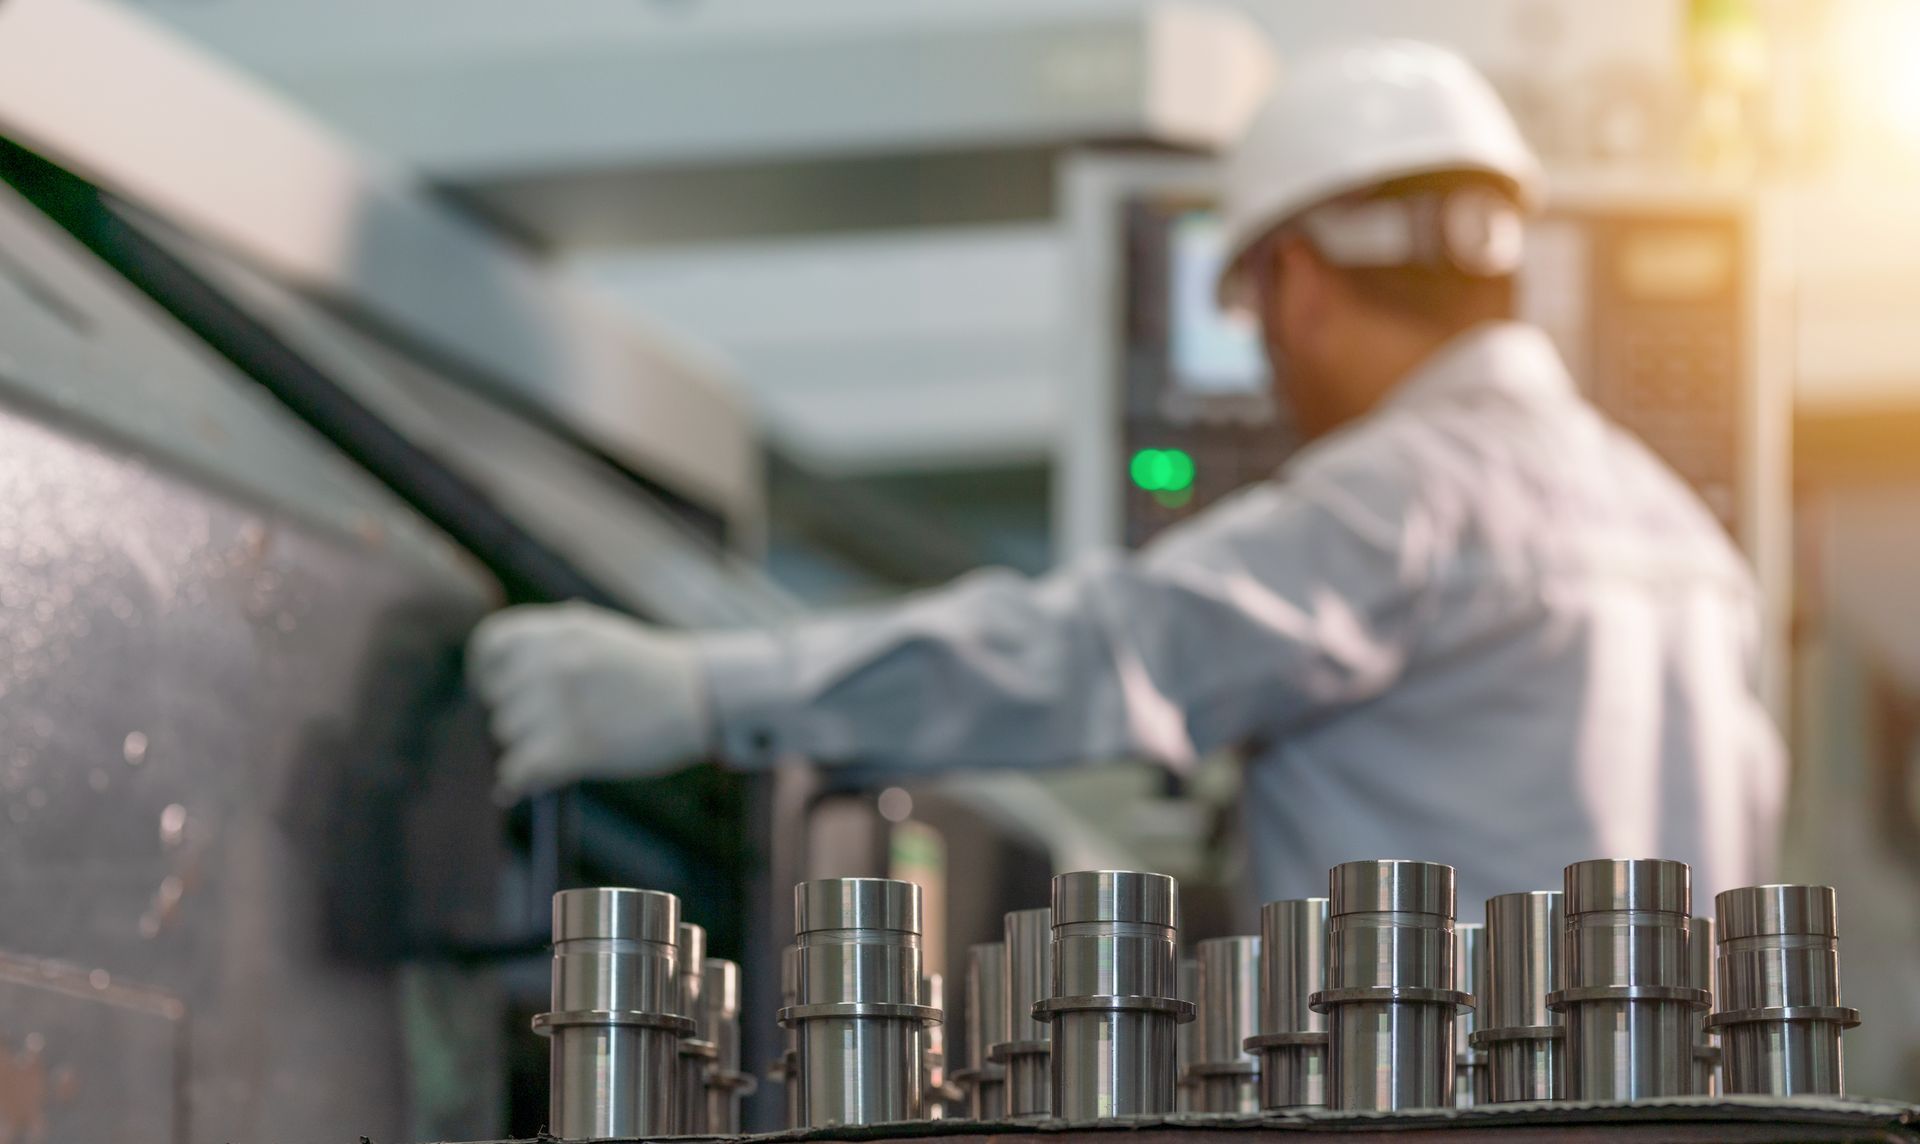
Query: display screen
column 1211, row 351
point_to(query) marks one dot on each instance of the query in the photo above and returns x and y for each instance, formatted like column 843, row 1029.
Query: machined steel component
column 1113, row 1005
column 1701, row 975
column 942, row 1096
column 720, row 1019
column 1390, row 998
column 1225, row 1076
column 1627, row 996
column 1525, row 1068
column 616, row 1024
column 858, row 1007
column 1186, row 1044
column 1470, row 972
column 786, row 1067
column 984, row 1082
column 1779, row 1014
column 1025, row 1050
column 696, row 1047
column 1523, row 1039
column 1291, row 1041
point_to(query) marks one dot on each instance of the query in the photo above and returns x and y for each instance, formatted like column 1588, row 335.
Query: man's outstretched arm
column 1282, row 602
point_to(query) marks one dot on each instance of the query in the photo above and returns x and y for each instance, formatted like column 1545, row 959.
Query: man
column 1471, row 621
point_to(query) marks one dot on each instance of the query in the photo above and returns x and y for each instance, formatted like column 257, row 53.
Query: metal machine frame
column 139, row 112
column 255, row 230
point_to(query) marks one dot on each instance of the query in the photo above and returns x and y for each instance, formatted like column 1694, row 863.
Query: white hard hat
column 1352, row 118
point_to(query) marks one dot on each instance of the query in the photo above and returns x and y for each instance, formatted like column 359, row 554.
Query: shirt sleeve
column 1281, row 604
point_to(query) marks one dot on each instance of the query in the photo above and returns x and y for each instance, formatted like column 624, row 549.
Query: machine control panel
column 1658, row 342
column 1197, row 417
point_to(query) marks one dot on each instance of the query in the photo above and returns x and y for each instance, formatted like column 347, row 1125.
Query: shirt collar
column 1504, row 357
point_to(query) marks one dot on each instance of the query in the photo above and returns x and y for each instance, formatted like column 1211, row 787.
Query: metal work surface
column 239, row 765
column 105, row 1059
column 80, row 346
column 208, row 383
column 1747, row 1120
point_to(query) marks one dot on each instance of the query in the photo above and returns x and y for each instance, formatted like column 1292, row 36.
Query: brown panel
column 1857, row 448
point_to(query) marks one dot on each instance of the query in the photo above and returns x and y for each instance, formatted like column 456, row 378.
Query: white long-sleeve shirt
column 1480, row 625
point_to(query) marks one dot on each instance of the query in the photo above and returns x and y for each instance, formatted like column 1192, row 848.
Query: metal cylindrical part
column 1113, row 1004
column 720, row 1011
column 1028, row 1085
column 793, row 1089
column 1522, row 1038
column 985, row 1002
column 1291, row 1038
column 1390, row 1055
column 1028, row 938
column 788, row 1065
column 1779, row 1013
column 1293, row 961
column 1627, row 996
column 1523, row 960
column 1391, row 993
column 987, row 1097
column 615, row 1025
column 1524, row 1068
column 696, row 1048
column 1186, row 1039
column 1024, row 1049
column 1701, row 975
column 1470, row 971
column 1225, row 1075
column 720, row 1019
column 858, row 1006
column 692, row 940
column 615, row 949
column 942, row 1096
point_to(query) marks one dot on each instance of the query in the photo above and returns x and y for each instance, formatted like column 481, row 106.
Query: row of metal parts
column 1600, row 991
column 1373, row 998
column 645, row 1028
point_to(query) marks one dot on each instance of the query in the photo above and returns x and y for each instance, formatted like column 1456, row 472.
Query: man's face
column 1295, row 306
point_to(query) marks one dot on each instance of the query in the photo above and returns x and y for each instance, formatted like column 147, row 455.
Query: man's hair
column 1443, row 297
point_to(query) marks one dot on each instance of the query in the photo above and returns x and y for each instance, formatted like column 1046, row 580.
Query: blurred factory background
column 326, row 325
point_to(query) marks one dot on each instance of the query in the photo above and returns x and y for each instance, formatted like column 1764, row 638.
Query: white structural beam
column 908, row 350
column 168, row 126
column 482, row 90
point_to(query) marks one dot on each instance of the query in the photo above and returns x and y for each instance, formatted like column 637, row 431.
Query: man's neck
column 1391, row 353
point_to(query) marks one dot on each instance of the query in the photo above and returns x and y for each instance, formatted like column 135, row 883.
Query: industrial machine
column 277, row 426
column 1671, row 306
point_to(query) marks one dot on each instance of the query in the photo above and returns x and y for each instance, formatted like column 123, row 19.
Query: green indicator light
column 1162, row 470
column 1149, row 470
column 1179, row 468
column 1137, row 468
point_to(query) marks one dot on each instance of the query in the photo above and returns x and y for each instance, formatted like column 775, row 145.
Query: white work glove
column 579, row 692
